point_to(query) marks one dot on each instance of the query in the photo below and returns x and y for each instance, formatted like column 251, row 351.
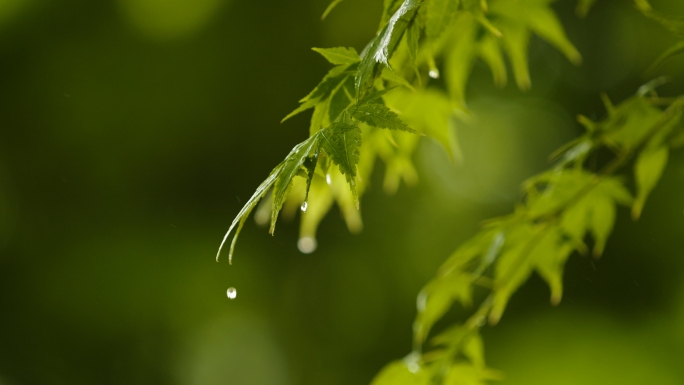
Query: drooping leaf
column 675, row 50
column 513, row 267
column 459, row 60
column 247, row 209
column 339, row 55
column 436, row 298
column 538, row 17
column 330, row 7
column 341, row 141
column 489, row 50
column 381, row 48
column 648, row 169
column 291, row 166
column 378, row 115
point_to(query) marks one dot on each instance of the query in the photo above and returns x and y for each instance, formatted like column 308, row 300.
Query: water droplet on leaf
column 307, row 245
column 434, row 73
column 481, row 321
column 328, row 179
column 305, row 205
column 232, row 293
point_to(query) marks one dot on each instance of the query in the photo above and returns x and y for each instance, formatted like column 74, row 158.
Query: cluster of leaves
column 364, row 94
column 385, row 95
column 564, row 208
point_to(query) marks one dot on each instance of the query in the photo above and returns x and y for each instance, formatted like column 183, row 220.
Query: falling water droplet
column 328, row 179
column 434, row 73
column 232, row 293
column 305, row 205
column 307, row 245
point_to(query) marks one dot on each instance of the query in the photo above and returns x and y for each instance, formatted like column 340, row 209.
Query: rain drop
column 232, row 293
column 328, row 179
column 307, row 245
column 305, row 205
column 413, row 367
column 434, row 73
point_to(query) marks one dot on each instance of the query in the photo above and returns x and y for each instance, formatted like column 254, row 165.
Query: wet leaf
column 381, row 48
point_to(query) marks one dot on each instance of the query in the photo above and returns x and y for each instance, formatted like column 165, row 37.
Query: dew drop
column 305, row 205
column 434, row 73
column 232, row 293
column 307, row 245
column 328, row 179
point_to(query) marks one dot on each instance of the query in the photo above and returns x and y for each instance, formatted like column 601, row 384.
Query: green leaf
column 412, row 39
column 648, row 169
column 381, row 48
column 378, row 115
column 601, row 220
column 516, row 41
column 339, row 55
column 341, row 98
column 247, row 209
column 672, row 51
column 436, row 298
column 429, row 111
column 325, row 88
column 468, row 374
column 330, row 8
column 398, row 373
column 393, row 77
column 459, row 60
column 290, row 168
column 341, row 141
column 439, row 15
column 489, row 50
column 513, row 267
column 536, row 16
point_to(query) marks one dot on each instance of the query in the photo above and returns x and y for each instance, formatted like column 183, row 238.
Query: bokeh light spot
column 169, row 19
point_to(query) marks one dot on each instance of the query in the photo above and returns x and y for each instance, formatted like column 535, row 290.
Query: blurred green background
column 131, row 131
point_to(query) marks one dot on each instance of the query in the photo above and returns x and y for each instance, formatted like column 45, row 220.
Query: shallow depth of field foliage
column 461, row 167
